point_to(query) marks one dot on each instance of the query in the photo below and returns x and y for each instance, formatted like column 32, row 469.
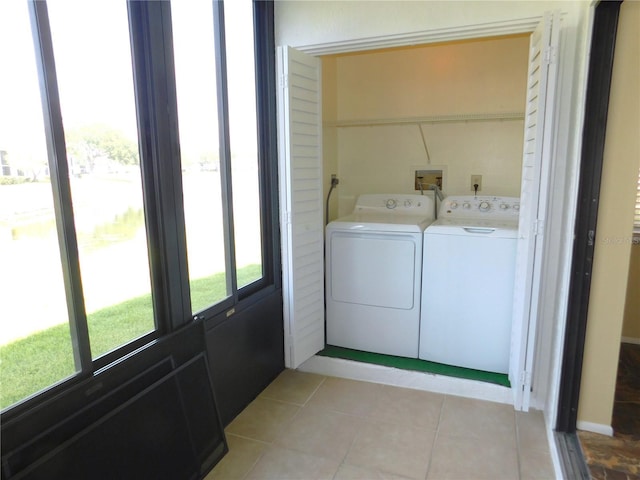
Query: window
column 95, row 85
column 196, row 91
column 135, row 179
column 243, row 139
column 31, row 274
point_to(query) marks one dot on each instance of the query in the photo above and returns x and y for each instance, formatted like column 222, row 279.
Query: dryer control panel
column 399, row 203
column 472, row 206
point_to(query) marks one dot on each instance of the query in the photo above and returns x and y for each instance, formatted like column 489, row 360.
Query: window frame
column 159, row 147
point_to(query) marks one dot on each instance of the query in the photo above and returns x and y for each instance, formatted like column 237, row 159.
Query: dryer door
column 373, row 269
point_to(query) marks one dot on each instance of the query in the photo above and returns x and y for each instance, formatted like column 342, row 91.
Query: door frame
column 551, row 358
column 605, row 22
column 604, row 28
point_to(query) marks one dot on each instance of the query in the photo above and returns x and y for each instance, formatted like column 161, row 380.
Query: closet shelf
column 474, row 117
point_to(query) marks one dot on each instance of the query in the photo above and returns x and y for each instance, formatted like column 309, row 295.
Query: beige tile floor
column 306, row 426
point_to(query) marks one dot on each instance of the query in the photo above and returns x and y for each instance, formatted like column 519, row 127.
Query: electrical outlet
column 476, row 180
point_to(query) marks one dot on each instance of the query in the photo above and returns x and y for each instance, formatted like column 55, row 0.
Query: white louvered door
column 536, row 168
column 301, row 222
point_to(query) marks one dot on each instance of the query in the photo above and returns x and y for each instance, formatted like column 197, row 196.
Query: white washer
column 467, row 283
column 373, row 274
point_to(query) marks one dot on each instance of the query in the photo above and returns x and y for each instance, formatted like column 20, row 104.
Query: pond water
column 31, row 278
column 112, row 246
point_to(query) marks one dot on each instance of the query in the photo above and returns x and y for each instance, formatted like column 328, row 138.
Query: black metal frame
column 63, row 207
column 152, row 49
column 268, row 146
column 156, row 105
column 225, row 161
column 593, row 138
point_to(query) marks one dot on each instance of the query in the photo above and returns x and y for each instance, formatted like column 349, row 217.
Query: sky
column 93, row 64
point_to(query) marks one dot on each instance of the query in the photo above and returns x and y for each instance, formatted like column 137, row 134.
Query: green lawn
column 46, row 357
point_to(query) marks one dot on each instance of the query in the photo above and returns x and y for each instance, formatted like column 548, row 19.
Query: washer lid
column 474, row 227
column 380, row 221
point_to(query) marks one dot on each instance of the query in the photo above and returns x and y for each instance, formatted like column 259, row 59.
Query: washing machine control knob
column 503, row 206
column 453, row 205
column 516, row 206
column 466, row 205
column 407, row 203
column 484, row 206
column 391, row 203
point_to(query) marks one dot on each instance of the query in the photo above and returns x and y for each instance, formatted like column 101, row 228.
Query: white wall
column 303, row 23
column 380, row 103
column 383, row 159
column 350, row 25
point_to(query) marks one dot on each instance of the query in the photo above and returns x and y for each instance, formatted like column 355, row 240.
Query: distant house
column 5, row 171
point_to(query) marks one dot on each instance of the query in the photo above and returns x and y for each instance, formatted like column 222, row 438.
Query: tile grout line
column 435, row 437
column 253, row 466
column 315, row 390
column 517, row 432
column 342, row 462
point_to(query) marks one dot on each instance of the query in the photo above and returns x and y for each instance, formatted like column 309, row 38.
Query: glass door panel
column 196, row 85
column 241, row 79
column 35, row 340
column 93, row 62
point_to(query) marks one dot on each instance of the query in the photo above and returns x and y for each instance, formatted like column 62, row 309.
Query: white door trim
column 462, row 32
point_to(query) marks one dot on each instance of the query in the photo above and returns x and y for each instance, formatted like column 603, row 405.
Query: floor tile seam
column 315, row 390
column 346, row 454
column 435, row 436
column 253, row 466
column 372, row 416
column 279, row 428
column 511, row 448
column 362, row 416
column 282, row 426
column 518, row 435
column 538, row 450
column 353, row 441
column 476, row 436
column 374, row 469
column 244, row 437
column 377, row 420
column 399, row 474
column 260, row 455
column 277, row 400
column 334, row 410
column 293, row 404
column 371, row 419
column 273, row 446
column 303, row 452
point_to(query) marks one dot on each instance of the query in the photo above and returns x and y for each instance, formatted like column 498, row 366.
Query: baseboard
column 635, row 341
column 367, row 372
column 595, row 428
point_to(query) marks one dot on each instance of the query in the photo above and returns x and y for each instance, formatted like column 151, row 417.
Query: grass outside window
column 31, row 364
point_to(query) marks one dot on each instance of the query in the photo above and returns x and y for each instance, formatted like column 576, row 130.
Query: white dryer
column 467, row 283
column 373, row 274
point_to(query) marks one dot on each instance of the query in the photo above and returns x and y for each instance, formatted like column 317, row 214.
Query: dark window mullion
column 152, row 52
column 267, row 135
column 225, row 150
column 59, row 169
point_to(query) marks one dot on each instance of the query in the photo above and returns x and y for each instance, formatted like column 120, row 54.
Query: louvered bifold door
column 302, row 228
column 536, row 168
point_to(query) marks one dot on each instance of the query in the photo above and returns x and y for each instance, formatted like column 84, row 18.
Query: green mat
column 415, row 364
